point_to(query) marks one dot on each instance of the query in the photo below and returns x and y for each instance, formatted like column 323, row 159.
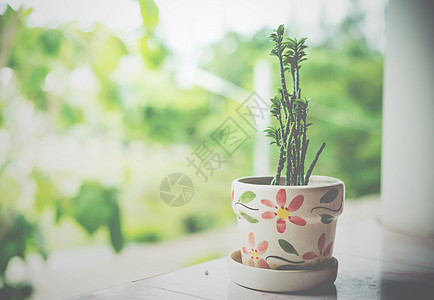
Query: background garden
column 93, row 118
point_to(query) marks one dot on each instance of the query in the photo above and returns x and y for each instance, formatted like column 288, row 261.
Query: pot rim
column 320, row 182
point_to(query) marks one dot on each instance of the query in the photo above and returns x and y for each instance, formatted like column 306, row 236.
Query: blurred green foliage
column 18, row 237
column 93, row 95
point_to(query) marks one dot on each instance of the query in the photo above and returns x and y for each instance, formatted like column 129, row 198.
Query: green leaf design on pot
column 247, row 196
column 327, row 219
column 248, row 218
column 287, row 247
column 329, row 196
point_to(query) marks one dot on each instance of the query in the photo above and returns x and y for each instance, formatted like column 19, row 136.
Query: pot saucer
column 279, row 280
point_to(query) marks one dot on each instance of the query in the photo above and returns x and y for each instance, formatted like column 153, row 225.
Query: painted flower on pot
column 253, row 254
column 322, row 255
column 284, row 213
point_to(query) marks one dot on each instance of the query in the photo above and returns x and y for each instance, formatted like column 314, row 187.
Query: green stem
column 309, row 172
column 289, row 160
column 303, row 156
column 305, row 144
column 281, row 163
column 285, row 99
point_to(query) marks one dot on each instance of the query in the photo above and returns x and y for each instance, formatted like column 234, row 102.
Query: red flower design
column 322, row 255
column 283, row 213
column 254, row 252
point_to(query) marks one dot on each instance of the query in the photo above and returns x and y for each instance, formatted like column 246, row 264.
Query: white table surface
column 374, row 263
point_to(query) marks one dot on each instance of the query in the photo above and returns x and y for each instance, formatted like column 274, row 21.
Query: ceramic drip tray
column 280, row 280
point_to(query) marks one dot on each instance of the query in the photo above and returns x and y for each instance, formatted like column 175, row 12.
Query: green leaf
column 287, row 247
column 114, row 223
column 329, row 196
column 149, row 12
column 97, row 206
column 276, row 100
column 91, row 209
column 44, row 191
column 246, row 197
column 274, row 134
column 248, row 217
column 327, row 219
column 106, row 55
column 18, row 237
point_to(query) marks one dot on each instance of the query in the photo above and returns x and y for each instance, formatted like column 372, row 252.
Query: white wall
column 408, row 118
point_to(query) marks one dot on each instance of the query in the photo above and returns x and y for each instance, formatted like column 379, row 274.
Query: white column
column 261, row 151
column 407, row 187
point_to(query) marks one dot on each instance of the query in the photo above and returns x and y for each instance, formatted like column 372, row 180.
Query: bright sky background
column 187, row 24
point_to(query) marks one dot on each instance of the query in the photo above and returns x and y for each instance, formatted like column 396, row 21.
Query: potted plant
column 288, row 222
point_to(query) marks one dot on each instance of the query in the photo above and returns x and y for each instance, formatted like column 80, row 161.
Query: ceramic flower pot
column 287, row 227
